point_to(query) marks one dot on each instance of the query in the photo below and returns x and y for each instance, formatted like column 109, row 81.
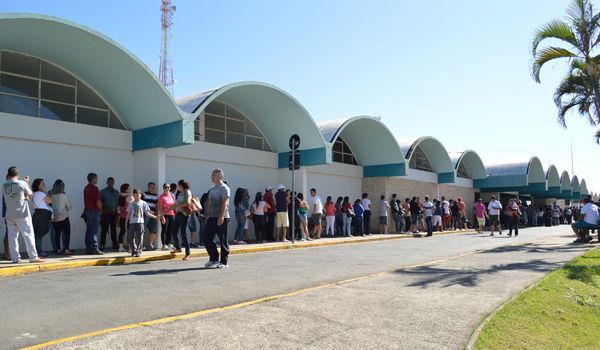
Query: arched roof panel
column 565, row 181
column 127, row 84
column 433, row 149
column 472, row 162
column 372, row 143
column 575, row 184
column 583, row 188
column 552, row 177
column 274, row 112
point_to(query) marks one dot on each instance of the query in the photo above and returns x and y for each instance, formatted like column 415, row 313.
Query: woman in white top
column 259, row 206
column 41, row 215
column 60, row 220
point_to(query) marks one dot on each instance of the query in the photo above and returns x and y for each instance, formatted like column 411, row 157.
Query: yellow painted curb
column 66, row 265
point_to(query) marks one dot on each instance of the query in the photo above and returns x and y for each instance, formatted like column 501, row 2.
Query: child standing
column 135, row 222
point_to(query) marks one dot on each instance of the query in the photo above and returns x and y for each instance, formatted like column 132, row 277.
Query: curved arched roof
column 371, row 142
column 472, row 162
column 583, row 188
column 274, row 112
column 552, row 177
column 565, row 181
column 127, row 84
column 575, row 184
column 532, row 168
column 433, row 149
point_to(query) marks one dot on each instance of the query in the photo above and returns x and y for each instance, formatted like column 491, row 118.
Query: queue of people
column 137, row 215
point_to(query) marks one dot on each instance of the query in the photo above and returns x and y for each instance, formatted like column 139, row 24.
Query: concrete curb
column 66, row 265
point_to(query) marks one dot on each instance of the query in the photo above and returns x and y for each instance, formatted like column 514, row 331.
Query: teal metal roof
column 472, row 162
column 433, row 149
column 275, row 113
column 127, row 84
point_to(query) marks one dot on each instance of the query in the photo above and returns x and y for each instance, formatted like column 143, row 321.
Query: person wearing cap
column 481, row 215
column 269, row 214
column 282, row 200
column 494, row 209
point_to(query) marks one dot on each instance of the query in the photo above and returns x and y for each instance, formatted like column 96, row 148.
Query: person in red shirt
column 270, row 214
column 91, row 214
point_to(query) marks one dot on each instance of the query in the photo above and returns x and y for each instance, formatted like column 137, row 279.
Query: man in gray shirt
column 217, row 218
column 109, row 198
column 16, row 193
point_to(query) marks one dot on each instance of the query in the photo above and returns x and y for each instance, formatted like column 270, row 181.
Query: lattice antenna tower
column 166, row 67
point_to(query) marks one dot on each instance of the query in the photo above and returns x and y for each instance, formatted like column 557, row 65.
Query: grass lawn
column 561, row 312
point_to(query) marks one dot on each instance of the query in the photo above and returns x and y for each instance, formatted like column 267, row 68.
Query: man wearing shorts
column 428, row 211
column 494, row 209
column 282, row 200
column 316, row 210
column 437, row 215
column 589, row 218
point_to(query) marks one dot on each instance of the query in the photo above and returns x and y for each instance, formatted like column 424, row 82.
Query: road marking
column 237, row 306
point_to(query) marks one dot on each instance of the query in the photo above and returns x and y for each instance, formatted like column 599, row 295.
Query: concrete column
column 150, row 165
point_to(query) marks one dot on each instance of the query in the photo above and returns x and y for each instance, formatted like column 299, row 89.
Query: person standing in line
column 463, row 213
column 151, row 198
column 137, row 211
column 282, row 200
column 383, row 215
column 415, row 210
column 42, row 214
column 16, row 193
column 396, row 213
column 60, row 220
column 494, row 209
column 303, row 215
column 316, row 211
column 125, row 198
column 480, row 214
column 348, row 213
column 329, row 217
column 438, row 212
column 366, row 204
column 240, row 216
column 217, row 220
column 182, row 207
column 555, row 214
column 407, row 215
column 258, row 217
column 270, row 214
column 512, row 209
column 428, row 212
column 109, row 197
column 339, row 217
column 93, row 207
column 447, row 218
column 5, row 242
column 167, row 215
column 359, row 213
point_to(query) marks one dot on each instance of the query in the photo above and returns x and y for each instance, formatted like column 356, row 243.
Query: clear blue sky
column 457, row 70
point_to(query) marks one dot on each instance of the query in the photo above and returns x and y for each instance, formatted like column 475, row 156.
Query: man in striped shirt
column 151, row 198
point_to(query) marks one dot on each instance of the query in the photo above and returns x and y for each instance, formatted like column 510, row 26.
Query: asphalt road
column 47, row 306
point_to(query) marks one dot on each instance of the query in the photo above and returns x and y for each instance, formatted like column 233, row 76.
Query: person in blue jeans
column 217, row 213
column 93, row 206
column 241, row 202
column 359, row 211
column 428, row 209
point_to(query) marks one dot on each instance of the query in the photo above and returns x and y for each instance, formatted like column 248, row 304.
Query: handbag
column 193, row 207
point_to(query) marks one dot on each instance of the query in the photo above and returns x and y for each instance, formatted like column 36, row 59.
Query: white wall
column 335, row 179
column 53, row 149
column 420, row 175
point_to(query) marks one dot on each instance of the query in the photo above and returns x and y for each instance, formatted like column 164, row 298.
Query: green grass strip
column 561, row 312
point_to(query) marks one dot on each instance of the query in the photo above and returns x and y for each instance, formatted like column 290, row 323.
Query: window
column 462, row 171
column 226, row 125
column 342, row 153
column 36, row 88
column 420, row 161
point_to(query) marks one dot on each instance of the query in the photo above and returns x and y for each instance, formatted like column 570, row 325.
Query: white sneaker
column 222, row 266
column 211, row 264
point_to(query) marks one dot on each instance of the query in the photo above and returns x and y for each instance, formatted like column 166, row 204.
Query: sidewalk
column 62, row 262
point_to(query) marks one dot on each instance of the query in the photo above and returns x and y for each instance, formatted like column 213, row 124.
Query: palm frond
column 548, row 54
column 597, row 137
column 555, row 29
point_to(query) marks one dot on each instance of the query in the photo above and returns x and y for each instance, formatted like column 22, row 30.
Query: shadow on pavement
column 159, row 272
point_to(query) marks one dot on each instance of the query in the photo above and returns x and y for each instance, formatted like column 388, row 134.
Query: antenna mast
column 166, row 68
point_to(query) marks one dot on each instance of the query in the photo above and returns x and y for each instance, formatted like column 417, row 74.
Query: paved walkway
column 425, row 307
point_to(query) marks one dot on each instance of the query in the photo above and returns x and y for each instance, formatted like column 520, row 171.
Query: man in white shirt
column 366, row 203
column 316, row 210
column 18, row 217
column 494, row 209
column 589, row 218
column 428, row 211
column 446, row 218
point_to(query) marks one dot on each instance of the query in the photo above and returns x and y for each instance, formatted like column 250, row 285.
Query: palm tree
column 579, row 36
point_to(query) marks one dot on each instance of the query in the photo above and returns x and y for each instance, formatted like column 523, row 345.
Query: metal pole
column 293, row 233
